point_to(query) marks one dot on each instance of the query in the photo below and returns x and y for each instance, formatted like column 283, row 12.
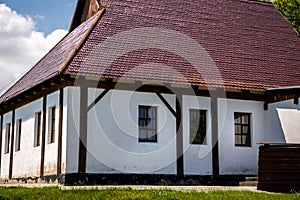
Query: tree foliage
column 290, row 9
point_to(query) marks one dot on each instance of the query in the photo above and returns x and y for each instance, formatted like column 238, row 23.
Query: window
column 18, row 135
column 51, row 128
column 147, row 124
column 7, row 138
column 197, row 126
column 242, row 129
column 37, row 129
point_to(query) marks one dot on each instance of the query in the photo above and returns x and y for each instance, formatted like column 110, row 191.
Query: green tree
column 290, row 9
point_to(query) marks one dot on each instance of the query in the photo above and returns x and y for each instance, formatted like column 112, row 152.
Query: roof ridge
column 80, row 44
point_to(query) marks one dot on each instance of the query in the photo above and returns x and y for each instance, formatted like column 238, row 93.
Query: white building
column 140, row 91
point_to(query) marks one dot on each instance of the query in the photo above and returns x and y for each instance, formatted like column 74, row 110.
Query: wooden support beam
column 97, row 99
column 296, row 100
column 43, row 136
column 60, row 131
column 83, row 130
column 166, row 104
column 11, row 158
column 266, row 106
column 179, row 136
column 215, row 136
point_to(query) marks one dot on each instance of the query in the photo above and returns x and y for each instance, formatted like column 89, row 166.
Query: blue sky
column 48, row 15
column 28, row 30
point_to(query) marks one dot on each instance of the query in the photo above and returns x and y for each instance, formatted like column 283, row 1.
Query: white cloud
column 21, row 46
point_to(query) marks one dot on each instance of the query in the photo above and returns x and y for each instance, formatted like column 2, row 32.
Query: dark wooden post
column 179, row 136
column 43, row 136
column 11, row 160
column 60, row 132
column 215, row 133
column 83, row 130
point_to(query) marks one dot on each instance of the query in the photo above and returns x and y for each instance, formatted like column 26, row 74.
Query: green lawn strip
column 128, row 193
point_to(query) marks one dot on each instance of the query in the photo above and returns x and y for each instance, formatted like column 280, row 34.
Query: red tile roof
column 250, row 43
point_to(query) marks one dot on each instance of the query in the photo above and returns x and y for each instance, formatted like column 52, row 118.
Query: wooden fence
column 279, row 167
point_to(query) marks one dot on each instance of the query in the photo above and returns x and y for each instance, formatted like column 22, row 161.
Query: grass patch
column 128, row 193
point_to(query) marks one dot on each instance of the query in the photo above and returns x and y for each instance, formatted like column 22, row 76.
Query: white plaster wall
column 283, row 122
column 27, row 161
column 113, row 145
column 50, row 165
column 64, row 132
column 197, row 158
column 239, row 160
column 7, row 118
column 72, row 137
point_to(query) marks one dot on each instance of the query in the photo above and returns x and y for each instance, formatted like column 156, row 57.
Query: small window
column 37, row 129
column 242, row 129
column 7, row 138
column 147, row 124
column 18, row 135
column 51, row 128
column 197, row 126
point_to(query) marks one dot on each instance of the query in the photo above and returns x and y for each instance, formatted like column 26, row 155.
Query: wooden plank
column 215, row 134
column 98, row 99
column 179, row 136
column 166, row 103
column 11, row 158
column 279, row 168
column 83, row 130
column 43, row 136
column 60, row 131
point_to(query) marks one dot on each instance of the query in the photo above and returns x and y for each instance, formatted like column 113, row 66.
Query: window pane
column 245, row 129
column 238, row 129
column 242, row 129
column 141, row 113
column 237, row 118
column 143, row 134
column 245, row 139
column 197, row 126
column 18, row 135
column 147, row 124
column 245, row 119
column 150, row 124
column 7, row 138
column 238, row 140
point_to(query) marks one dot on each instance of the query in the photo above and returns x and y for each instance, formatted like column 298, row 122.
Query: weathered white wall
column 50, row 166
column 27, row 160
column 72, row 142
column 239, row 160
column 113, row 145
column 7, row 118
column 197, row 158
column 64, row 132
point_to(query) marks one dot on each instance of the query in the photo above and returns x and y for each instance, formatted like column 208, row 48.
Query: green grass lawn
column 119, row 194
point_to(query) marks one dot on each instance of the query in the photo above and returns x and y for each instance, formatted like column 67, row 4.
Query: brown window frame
column 51, row 124
column 18, row 135
column 145, row 132
column 197, row 135
column 242, row 129
column 37, row 129
column 7, row 138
